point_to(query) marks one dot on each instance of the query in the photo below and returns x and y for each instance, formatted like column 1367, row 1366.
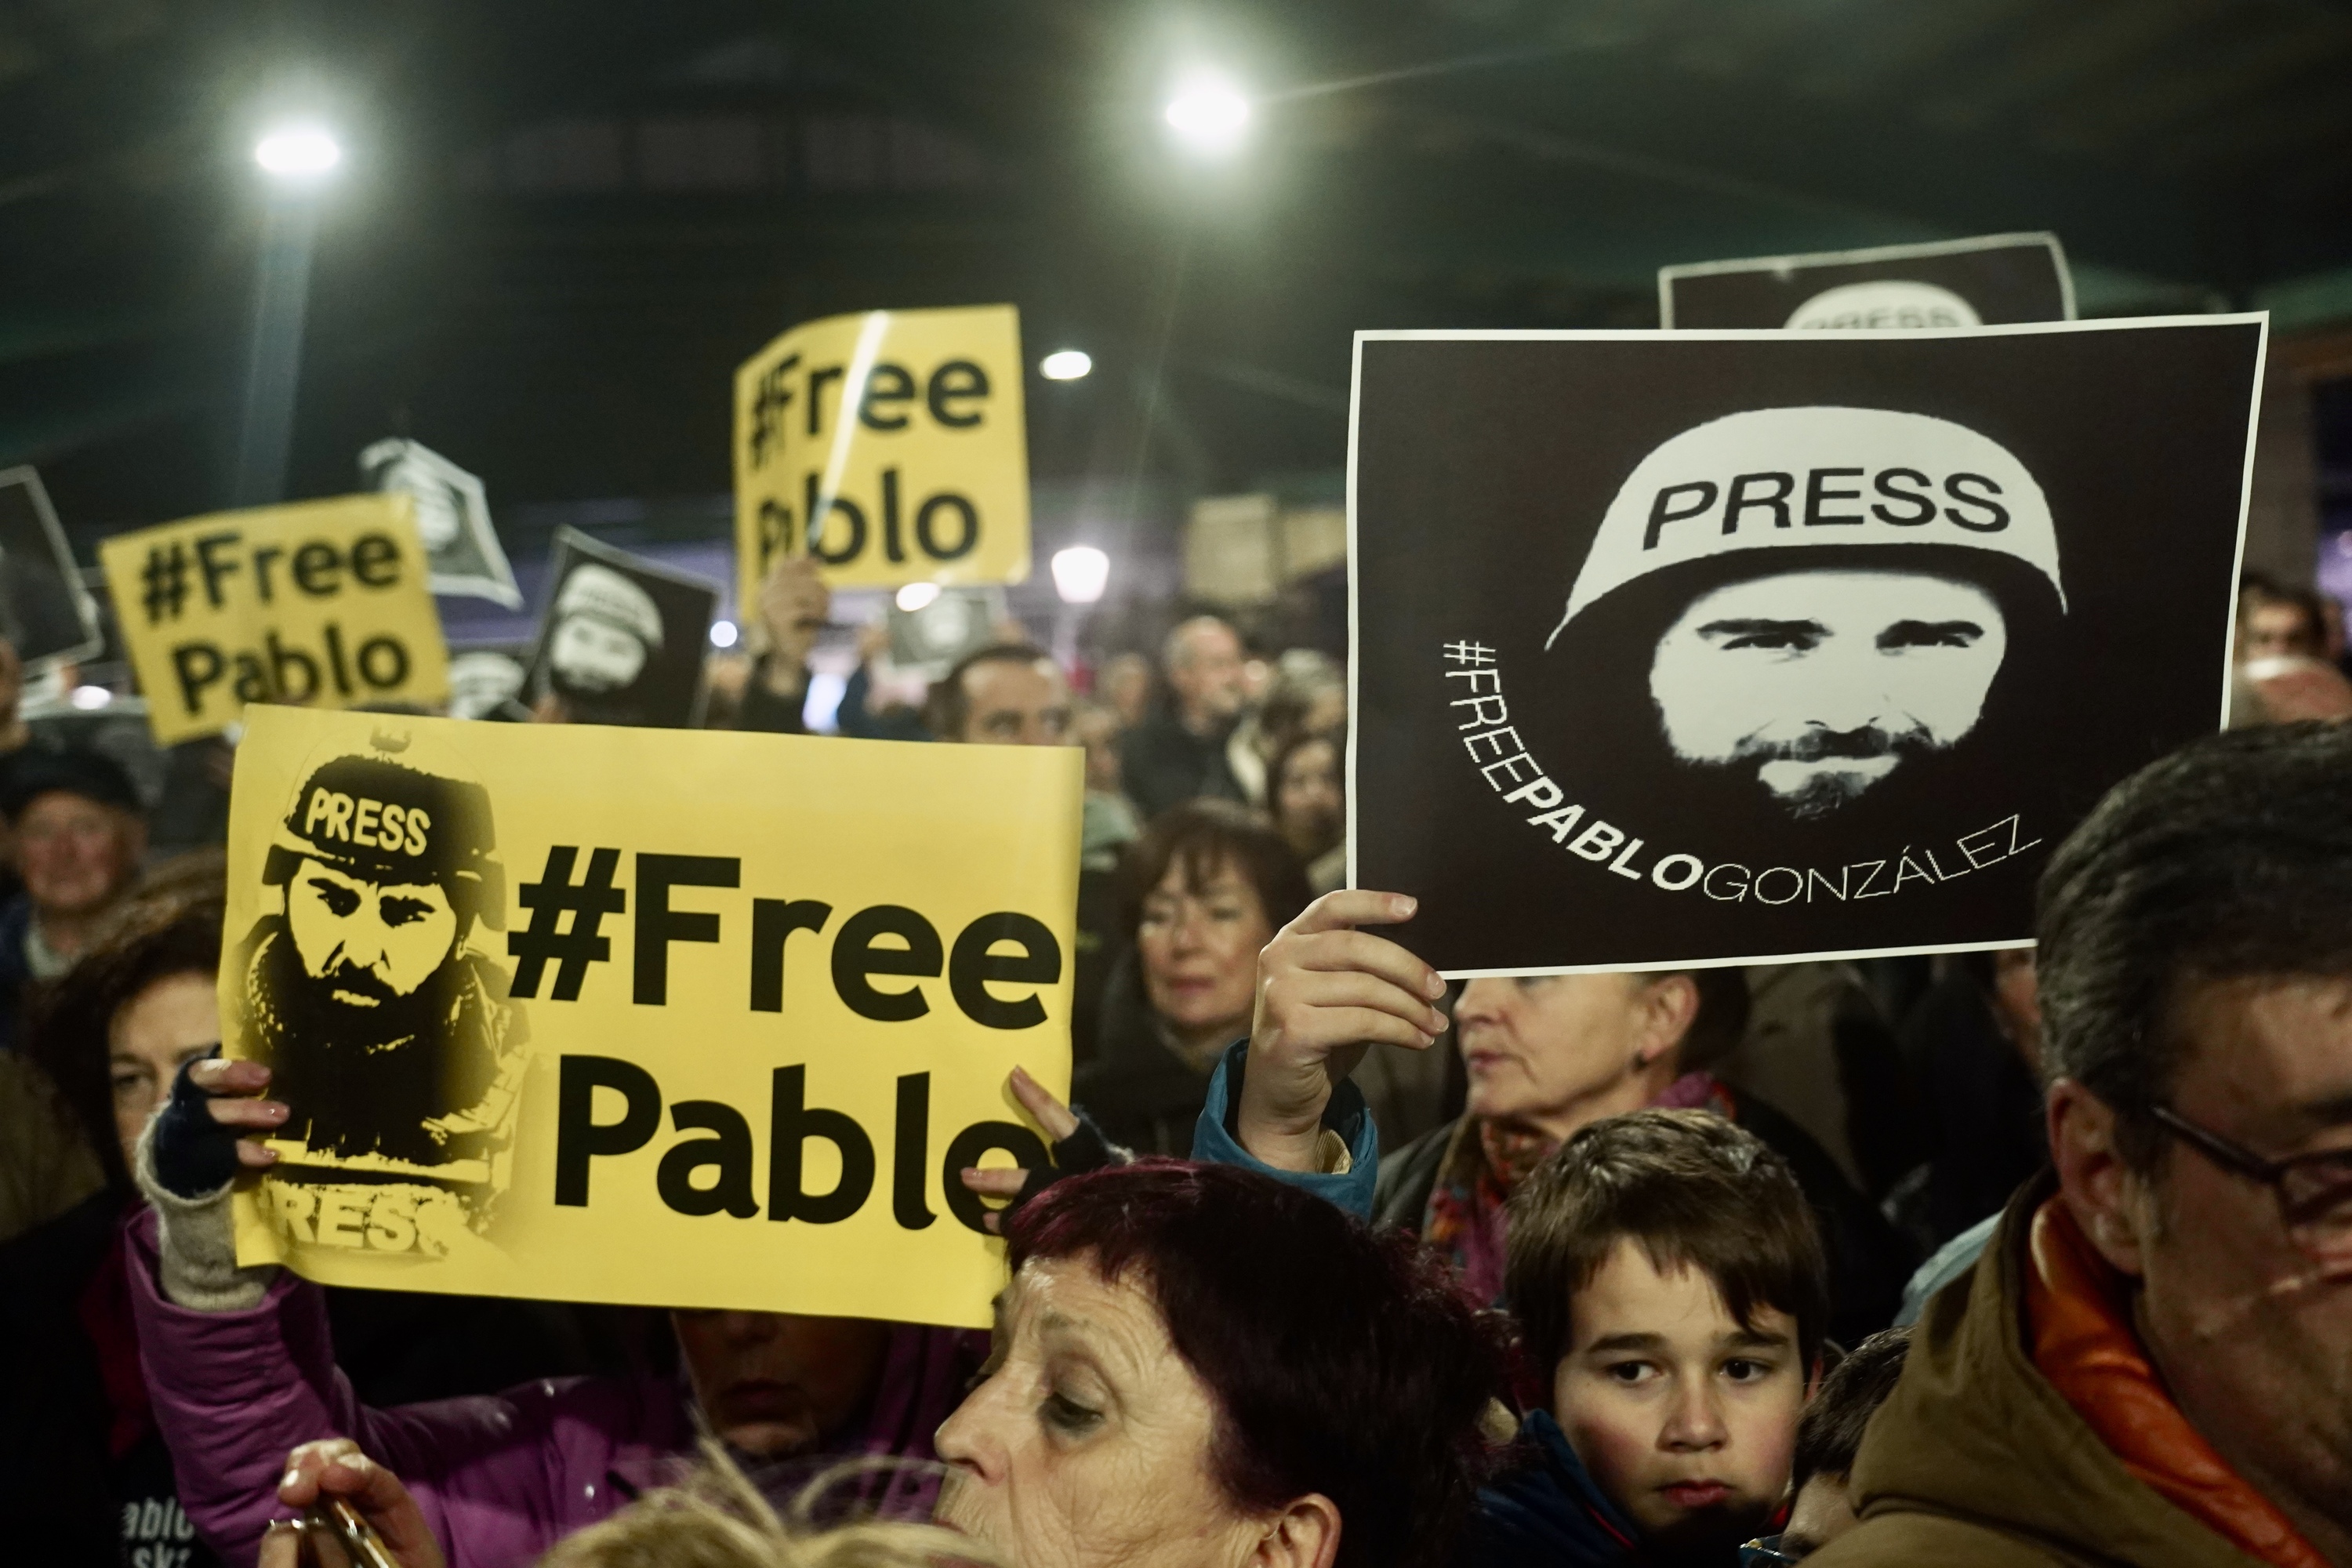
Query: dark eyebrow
column 1915, row 630
column 1609, row 1342
column 1753, row 625
column 1755, row 1340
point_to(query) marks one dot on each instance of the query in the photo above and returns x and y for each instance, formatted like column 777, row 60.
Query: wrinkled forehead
column 1844, row 597
column 1067, row 1300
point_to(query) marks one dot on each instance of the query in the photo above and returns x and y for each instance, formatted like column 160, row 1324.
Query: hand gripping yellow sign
column 890, row 446
column 324, row 603
column 689, row 1019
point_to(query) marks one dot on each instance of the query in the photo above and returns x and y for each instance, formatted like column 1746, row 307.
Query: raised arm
column 241, row 1367
column 1327, row 992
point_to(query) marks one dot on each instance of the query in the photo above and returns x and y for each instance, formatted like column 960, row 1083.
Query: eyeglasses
column 2313, row 1191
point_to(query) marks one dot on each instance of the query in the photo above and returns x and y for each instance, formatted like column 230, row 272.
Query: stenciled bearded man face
column 368, row 944
column 1819, row 684
column 592, row 655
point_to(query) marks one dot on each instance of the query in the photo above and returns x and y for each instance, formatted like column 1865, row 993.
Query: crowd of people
column 2038, row 1256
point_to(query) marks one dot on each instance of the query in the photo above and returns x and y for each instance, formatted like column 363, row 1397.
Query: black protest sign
column 452, row 517
column 1991, row 280
column 621, row 639
column 46, row 614
column 1715, row 647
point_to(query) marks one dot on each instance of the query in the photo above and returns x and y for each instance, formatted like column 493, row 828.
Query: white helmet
column 610, row 597
column 1788, row 478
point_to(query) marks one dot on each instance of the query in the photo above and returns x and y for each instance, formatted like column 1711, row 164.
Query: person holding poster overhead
column 891, row 447
column 430, row 1085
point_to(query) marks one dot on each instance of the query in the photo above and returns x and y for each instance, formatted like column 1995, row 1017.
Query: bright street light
column 298, row 153
column 1209, row 112
column 915, row 595
column 1066, row 364
column 1080, row 574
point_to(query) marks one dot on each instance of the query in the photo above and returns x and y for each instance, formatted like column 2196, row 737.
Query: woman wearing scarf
column 1547, row 1055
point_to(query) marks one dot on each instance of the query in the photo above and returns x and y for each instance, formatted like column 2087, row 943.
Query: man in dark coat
column 1179, row 754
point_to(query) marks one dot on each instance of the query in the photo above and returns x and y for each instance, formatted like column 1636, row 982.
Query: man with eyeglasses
column 2152, row 1362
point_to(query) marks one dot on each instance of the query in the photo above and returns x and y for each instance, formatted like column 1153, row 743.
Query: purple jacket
column 500, row 1477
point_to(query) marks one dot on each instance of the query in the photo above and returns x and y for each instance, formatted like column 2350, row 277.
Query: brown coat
column 1976, row 1461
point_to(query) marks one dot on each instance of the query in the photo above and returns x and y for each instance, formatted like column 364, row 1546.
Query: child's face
column 1686, row 1420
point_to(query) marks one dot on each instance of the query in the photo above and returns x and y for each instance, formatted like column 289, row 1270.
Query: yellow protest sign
column 674, row 1018
column 324, row 603
column 890, row 445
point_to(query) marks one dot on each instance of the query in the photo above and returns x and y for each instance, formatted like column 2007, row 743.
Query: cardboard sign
column 1990, row 280
column 323, row 603
column 621, row 639
column 689, row 1019
column 1731, row 648
column 453, row 516
column 891, row 445
column 46, row 614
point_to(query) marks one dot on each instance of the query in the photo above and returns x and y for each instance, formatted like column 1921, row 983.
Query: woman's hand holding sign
column 1078, row 1146
column 1327, row 992
column 213, row 1126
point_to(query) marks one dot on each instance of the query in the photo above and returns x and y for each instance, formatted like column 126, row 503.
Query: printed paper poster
column 1989, row 280
column 46, row 614
column 1736, row 647
column 700, row 1019
column 319, row 602
column 891, row 445
column 621, row 639
column 453, row 516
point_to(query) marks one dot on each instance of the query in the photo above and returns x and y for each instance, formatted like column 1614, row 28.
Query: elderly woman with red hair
column 1197, row 1366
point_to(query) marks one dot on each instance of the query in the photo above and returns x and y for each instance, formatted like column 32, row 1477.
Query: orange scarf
column 2078, row 1313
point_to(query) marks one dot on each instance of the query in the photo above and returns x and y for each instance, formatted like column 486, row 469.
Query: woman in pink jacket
column 241, row 1372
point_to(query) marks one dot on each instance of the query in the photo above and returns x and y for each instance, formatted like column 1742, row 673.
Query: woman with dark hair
column 81, row 1465
column 1202, row 1367
column 1206, row 887
column 1306, row 794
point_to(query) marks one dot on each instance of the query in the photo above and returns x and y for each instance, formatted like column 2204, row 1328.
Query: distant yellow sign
column 891, row 445
column 324, row 603
column 684, row 1018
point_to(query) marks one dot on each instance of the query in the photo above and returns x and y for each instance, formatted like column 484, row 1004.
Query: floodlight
column 298, row 153
column 1080, row 574
column 915, row 595
column 1066, row 364
column 1208, row 112
column 723, row 634
column 88, row 698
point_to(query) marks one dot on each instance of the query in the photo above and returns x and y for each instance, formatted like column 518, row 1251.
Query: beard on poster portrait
column 1832, row 620
column 1505, row 762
